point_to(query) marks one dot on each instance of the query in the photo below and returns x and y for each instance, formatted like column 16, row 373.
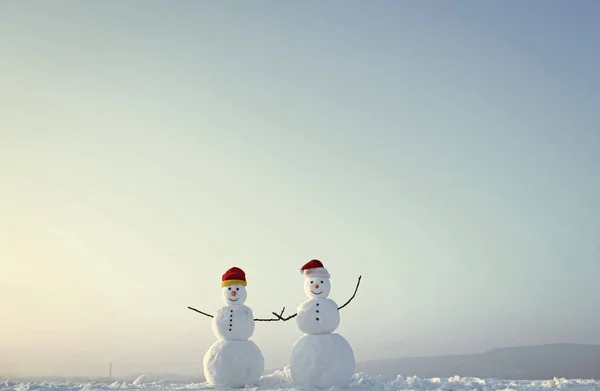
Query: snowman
column 233, row 360
column 320, row 358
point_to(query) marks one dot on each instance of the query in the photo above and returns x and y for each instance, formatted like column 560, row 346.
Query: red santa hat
column 233, row 276
column 314, row 268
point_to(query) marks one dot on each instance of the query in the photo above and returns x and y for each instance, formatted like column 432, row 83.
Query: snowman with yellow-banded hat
column 233, row 360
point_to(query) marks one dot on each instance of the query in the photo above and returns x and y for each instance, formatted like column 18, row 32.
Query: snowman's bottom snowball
column 322, row 361
column 233, row 363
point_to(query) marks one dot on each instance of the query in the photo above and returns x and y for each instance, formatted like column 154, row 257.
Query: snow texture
column 318, row 316
column 280, row 381
column 233, row 364
column 322, row 361
column 233, row 323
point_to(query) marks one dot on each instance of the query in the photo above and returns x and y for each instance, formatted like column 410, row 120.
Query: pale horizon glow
column 447, row 152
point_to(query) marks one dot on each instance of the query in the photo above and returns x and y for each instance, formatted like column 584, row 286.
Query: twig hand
column 282, row 318
column 272, row 320
column 280, row 314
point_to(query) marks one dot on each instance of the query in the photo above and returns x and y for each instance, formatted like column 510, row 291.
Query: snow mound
column 147, row 378
column 281, row 381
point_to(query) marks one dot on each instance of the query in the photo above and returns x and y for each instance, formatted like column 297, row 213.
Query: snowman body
column 320, row 358
column 233, row 360
column 233, row 323
column 318, row 316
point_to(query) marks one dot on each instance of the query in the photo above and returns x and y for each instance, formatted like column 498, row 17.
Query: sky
column 448, row 152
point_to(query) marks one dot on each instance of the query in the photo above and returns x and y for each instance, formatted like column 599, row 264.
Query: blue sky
column 447, row 151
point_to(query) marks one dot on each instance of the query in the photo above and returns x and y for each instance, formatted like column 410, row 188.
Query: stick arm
column 284, row 319
column 277, row 319
column 354, row 294
column 200, row 312
column 339, row 308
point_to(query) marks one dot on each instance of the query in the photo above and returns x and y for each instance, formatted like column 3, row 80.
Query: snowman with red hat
column 320, row 358
column 233, row 360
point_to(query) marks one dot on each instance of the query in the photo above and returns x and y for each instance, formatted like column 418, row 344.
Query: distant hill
column 540, row 362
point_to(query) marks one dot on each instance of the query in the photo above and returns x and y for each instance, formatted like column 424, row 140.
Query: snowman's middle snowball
column 318, row 316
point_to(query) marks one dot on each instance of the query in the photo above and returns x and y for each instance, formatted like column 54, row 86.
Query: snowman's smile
column 315, row 293
column 234, row 300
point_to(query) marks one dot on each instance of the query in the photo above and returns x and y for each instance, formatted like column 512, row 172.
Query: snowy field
column 280, row 380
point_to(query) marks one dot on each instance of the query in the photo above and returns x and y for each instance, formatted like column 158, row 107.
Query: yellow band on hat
column 232, row 282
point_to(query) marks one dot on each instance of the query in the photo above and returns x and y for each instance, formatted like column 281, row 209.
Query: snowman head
column 317, row 287
column 233, row 283
column 234, row 294
column 316, row 283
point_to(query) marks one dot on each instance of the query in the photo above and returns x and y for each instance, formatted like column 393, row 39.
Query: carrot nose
column 233, row 293
column 317, row 286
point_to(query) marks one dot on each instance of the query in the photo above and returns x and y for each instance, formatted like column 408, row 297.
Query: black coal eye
column 237, row 289
column 311, row 282
column 321, row 282
column 229, row 288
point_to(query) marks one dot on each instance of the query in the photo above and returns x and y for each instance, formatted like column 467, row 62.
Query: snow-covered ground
column 279, row 380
